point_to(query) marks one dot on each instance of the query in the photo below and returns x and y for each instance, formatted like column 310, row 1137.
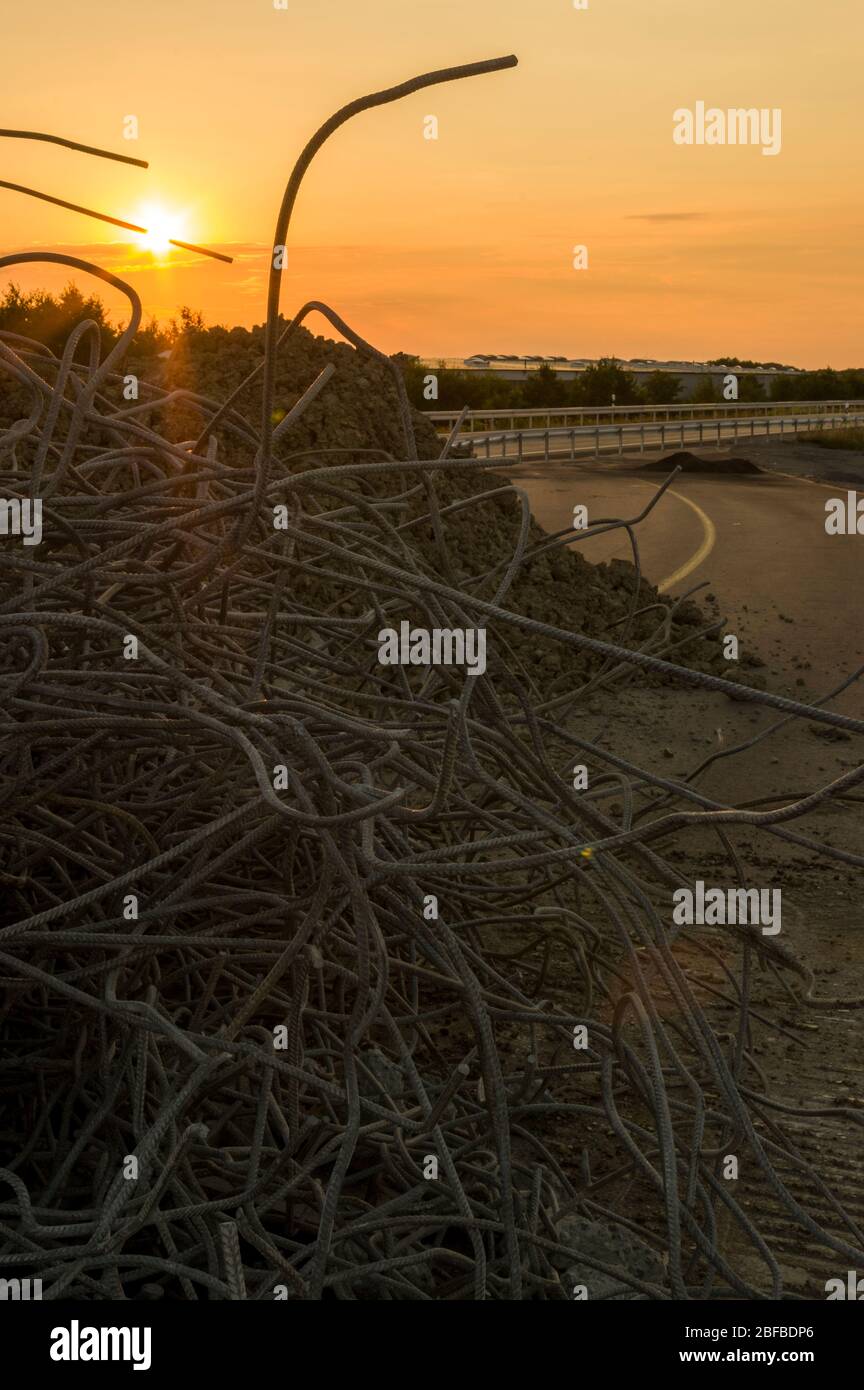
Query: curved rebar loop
column 283, row 222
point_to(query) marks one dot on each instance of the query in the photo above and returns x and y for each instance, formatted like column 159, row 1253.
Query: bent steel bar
column 72, row 145
column 354, row 108
column 72, row 207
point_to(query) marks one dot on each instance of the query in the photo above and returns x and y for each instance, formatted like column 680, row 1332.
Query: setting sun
column 162, row 225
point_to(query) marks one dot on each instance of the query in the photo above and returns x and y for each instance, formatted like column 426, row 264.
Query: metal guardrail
column 587, row 440
column 481, row 421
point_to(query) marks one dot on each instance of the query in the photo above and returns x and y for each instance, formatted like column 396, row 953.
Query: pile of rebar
column 319, row 978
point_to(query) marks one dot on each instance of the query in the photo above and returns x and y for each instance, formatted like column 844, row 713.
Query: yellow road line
column 710, row 532
column 709, row 537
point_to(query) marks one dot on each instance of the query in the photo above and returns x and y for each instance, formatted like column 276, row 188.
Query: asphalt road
column 783, row 584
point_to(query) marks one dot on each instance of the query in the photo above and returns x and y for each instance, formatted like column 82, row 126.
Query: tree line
column 607, row 382
column 50, row 318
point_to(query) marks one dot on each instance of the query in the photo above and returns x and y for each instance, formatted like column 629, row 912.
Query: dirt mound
column 358, row 410
column 357, row 413
column 690, row 463
column 557, row 585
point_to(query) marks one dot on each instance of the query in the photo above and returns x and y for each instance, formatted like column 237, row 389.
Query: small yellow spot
column 277, row 416
column 587, row 853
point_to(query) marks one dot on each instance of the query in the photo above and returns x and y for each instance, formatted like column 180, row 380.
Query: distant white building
column 518, row 367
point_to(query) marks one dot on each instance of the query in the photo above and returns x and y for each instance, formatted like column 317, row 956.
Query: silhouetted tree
column 750, row 388
column 661, row 388
column 706, row 392
column 543, row 388
column 599, row 382
column 50, row 320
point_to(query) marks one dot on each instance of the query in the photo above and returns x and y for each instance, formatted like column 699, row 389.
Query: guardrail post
column 572, row 445
column 642, row 440
column 597, row 439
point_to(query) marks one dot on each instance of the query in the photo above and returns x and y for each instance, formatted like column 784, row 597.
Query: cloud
column 666, row 216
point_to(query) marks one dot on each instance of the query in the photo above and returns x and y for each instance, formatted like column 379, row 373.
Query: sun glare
column 162, row 226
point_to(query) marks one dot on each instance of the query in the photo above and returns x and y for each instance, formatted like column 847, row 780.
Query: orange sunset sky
column 463, row 244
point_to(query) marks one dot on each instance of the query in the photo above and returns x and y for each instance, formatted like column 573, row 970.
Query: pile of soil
column 358, row 412
column 690, row 463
